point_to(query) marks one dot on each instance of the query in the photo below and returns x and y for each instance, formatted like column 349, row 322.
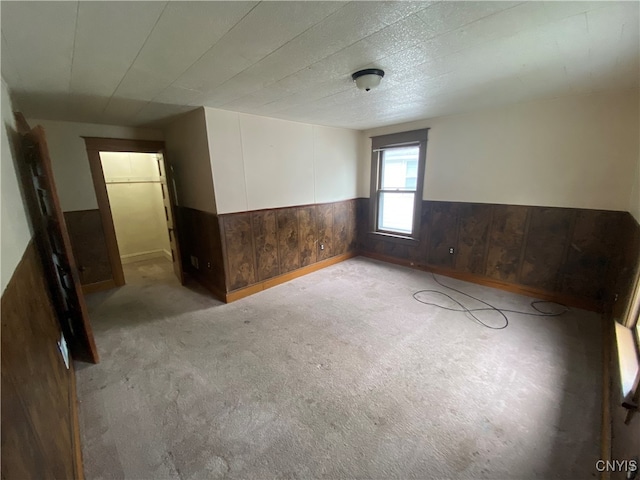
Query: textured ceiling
column 139, row 63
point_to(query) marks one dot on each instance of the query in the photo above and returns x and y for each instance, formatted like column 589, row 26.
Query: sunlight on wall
column 135, row 195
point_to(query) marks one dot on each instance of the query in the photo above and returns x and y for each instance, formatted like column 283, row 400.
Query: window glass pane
column 399, row 168
column 395, row 212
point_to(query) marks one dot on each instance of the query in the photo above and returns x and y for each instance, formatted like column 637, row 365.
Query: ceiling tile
column 120, row 110
column 107, row 41
column 39, row 37
column 185, row 31
column 178, row 96
column 445, row 16
column 141, row 84
column 266, row 28
column 168, row 52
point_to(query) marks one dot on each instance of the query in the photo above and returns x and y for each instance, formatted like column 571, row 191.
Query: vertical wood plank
column 307, row 236
column 325, row 230
column 506, row 240
column 266, row 244
column 239, row 249
column 287, row 221
column 547, row 239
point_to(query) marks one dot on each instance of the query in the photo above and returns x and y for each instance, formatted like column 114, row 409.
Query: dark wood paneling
column 473, row 228
column 308, row 235
column 287, row 219
column 37, row 390
column 89, row 245
column 443, row 233
column 589, row 253
column 325, row 230
column 362, row 223
column 352, row 226
column 579, row 253
column 239, row 251
column 547, row 239
column 340, row 242
column 286, row 239
column 200, row 236
column 626, row 262
column 265, row 231
column 506, row 239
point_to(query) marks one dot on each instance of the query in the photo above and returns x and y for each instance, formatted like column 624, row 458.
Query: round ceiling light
column 368, row 79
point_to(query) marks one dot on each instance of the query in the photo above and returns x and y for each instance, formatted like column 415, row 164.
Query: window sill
column 395, row 238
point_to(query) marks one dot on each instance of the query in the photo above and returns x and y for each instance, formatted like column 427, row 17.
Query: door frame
column 94, row 146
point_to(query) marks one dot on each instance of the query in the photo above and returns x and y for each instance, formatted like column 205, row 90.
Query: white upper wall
column 578, row 151
column 69, row 157
column 260, row 162
column 188, row 152
column 14, row 225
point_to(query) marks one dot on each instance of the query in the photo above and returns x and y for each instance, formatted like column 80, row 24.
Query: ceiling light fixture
column 368, row 79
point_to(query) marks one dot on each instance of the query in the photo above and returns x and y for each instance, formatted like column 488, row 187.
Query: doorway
column 136, row 199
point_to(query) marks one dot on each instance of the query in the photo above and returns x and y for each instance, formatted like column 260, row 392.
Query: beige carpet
column 338, row 374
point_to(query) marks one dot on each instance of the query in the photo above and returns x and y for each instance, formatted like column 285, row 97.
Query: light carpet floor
column 338, row 374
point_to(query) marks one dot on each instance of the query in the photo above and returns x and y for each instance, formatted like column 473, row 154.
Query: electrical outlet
column 451, row 250
column 322, row 246
column 208, row 264
column 194, row 262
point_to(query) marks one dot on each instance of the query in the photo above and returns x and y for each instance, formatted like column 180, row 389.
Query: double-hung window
column 397, row 177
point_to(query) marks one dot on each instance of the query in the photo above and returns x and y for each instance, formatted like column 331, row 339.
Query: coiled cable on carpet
column 501, row 311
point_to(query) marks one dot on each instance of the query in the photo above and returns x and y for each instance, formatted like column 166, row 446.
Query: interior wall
column 260, row 162
column 15, row 227
column 634, row 198
column 38, row 391
column 69, row 157
column 137, row 208
column 578, row 151
column 188, row 152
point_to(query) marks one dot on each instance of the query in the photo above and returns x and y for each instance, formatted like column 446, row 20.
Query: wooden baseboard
column 586, row 304
column 272, row 282
column 98, row 286
column 75, row 427
column 202, row 280
column 142, row 256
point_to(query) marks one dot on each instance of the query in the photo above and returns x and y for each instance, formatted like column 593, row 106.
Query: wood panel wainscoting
column 89, row 246
column 40, row 429
column 563, row 254
column 238, row 254
column 201, row 246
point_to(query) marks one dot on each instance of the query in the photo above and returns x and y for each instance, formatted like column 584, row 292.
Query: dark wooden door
column 170, row 202
column 54, row 245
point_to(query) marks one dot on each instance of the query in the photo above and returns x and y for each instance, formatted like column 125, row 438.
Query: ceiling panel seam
column 136, row 57
column 267, row 55
column 73, row 49
column 206, row 51
column 282, row 46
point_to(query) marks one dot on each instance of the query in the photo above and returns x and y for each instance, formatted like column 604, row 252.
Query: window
column 396, row 183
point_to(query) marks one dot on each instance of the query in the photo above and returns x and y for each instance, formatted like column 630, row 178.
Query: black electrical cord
column 502, row 311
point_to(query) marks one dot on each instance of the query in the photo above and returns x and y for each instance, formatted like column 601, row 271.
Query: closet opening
column 136, row 198
column 135, row 188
